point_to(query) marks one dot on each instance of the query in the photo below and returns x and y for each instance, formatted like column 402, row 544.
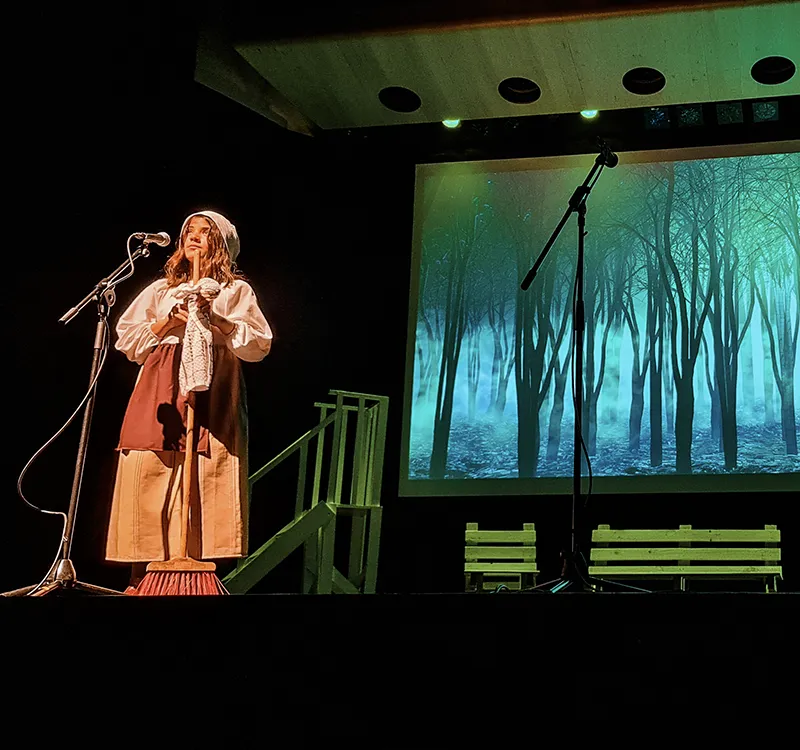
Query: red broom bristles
column 179, row 584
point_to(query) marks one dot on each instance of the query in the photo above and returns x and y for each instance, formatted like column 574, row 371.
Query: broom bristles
column 180, row 584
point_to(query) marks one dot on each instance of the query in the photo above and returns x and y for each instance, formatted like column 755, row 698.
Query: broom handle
column 188, row 461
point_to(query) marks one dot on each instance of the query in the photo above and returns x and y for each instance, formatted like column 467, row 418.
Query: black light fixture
column 400, row 99
column 644, row 81
column 772, row 71
column 519, row 90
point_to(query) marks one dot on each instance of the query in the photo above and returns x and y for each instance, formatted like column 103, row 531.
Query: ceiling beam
column 248, row 21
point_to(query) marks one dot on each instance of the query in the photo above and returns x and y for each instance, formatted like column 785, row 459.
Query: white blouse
column 250, row 339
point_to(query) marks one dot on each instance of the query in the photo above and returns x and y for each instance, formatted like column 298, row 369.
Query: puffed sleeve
column 251, row 339
column 135, row 337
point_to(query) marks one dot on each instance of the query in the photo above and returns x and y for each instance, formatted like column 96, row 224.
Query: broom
column 183, row 576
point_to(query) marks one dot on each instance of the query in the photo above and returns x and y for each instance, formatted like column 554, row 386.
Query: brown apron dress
column 145, row 510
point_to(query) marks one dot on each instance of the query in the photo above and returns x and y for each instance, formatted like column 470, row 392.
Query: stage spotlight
column 451, row 123
column 690, row 115
column 589, row 114
column 730, row 113
column 765, row 111
column 656, row 118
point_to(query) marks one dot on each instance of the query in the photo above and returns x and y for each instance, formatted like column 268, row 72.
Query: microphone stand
column 62, row 577
column 577, row 204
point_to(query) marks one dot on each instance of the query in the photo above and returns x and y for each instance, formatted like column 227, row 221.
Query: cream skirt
column 146, row 508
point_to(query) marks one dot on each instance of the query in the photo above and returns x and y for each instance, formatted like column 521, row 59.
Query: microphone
column 610, row 159
column 162, row 238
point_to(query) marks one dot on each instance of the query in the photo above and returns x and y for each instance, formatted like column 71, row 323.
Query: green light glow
column 451, row 123
column 589, row 114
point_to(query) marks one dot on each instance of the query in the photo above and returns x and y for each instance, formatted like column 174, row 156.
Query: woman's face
column 196, row 240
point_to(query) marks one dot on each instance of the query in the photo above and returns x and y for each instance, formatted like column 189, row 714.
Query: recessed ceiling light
column 519, row 90
column 773, row 70
column 589, row 114
column 644, row 81
column 451, row 123
column 400, row 99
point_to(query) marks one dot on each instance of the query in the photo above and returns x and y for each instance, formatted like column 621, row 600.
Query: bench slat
column 609, row 571
column 509, row 537
column 500, row 553
column 666, row 536
column 501, row 567
column 613, row 554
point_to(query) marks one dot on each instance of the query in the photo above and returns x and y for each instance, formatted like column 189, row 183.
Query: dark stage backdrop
column 123, row 140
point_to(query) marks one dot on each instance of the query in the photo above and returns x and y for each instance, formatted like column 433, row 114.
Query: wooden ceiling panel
column 706, row 55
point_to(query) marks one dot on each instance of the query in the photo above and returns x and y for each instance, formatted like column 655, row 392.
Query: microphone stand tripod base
column 62, row 579
column 569, row 578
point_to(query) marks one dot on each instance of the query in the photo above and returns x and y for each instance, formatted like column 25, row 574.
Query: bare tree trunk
column 455, row 323
column 769, row 387
column 473, row 372
column 655, row 334
column 748, row 379
column 502, row 360
column 656, row 417
column 684, row 317
column 635, row 419
column 638, row 375
column 428, row 358
column 528, row 368
column 684, row 418
column 716, row 419
column 669, row 404
column 783, row 336
column 556, row 417
column 788, row 425
column 502, row 389
column 612, row 378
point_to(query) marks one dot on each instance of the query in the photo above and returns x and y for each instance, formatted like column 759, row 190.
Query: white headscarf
column 226, row 229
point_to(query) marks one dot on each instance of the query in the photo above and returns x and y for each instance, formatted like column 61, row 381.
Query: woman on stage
column 145, row 511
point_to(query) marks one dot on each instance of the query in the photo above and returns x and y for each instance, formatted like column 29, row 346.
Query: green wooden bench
column 685, row 553
column 492, row 558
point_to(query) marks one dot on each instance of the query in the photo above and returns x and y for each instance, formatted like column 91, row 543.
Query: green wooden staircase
column 343, row 478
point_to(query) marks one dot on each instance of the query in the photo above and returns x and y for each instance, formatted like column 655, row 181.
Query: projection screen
column 690, row 375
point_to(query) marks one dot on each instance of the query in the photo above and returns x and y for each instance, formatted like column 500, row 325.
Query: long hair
column 216, row 264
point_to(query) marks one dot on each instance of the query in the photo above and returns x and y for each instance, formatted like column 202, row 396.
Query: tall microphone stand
column 62, row 577
column 570, row 575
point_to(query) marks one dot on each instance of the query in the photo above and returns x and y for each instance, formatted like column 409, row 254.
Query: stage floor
column 390, row 665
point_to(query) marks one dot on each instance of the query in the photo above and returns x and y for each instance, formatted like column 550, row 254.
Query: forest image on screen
column 691, row 297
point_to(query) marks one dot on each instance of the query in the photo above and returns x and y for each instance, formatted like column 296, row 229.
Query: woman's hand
column 203, row 304
column 177, row 318
column 223, row 325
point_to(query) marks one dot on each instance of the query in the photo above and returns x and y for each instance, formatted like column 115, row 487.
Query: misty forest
column 692, row 316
